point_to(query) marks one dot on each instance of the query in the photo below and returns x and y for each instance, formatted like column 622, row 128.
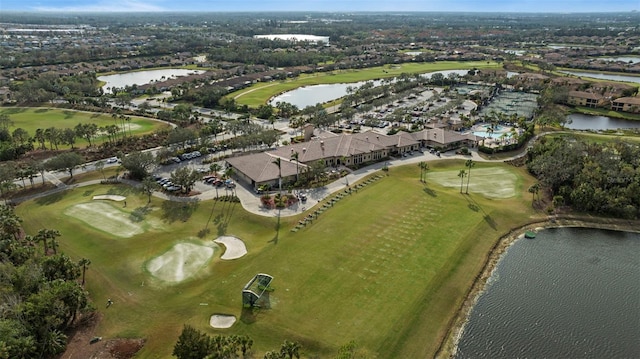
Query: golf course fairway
column 387, row 267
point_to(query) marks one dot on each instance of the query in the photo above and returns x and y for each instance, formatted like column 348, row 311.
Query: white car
column 112, row 160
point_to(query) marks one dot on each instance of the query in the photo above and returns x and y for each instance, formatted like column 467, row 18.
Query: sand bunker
column 110, row 197
column 235, row 247
column 105, row 217
column 489, row 182
column 182, row 261
column 222, row 321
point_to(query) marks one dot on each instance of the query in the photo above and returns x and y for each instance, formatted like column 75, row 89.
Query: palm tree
column 128, row 119
column 462, row 174
column 295, row 156
column 424, row 167
column 469, row 164
column 533, row 189
column 278, row 162
column 215, row 168
column 44, row 235
column 84, row 263
column 291, row 349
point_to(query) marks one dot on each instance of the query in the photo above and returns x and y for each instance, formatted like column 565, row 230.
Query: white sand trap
column 235, row 247
column 222, row 321
column 180, row 262
column 105, row 217
column 110, row 197
column 489, row 182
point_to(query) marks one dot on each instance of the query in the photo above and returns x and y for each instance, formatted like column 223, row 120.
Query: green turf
column 386, row 266
column 32, row 118
column 260, row 93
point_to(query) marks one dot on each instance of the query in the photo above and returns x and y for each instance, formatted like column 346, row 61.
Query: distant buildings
column 296, row 38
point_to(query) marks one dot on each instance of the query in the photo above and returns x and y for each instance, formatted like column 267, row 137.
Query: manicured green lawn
column 598, row 137
column 32, row 118
column 260, row 93
column 387, row 266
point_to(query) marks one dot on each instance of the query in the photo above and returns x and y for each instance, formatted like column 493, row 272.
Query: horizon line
column 313, row 11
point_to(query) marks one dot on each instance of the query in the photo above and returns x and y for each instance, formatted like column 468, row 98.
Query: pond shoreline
column 448, row 346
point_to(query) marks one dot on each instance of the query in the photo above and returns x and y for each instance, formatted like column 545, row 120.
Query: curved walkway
column 251, row 202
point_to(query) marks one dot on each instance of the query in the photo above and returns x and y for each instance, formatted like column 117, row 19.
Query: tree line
column 194, row 344
column 42, row 291
column 599, row 178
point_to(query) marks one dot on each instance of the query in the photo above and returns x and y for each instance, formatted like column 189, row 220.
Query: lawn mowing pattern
column 383, row 267
column 365, row 279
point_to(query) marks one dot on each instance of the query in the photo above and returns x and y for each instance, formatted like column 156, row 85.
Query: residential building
column 626, row 104
column 587, row 99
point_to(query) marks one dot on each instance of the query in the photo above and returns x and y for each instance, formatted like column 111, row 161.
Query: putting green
column 180, row 262
column 489, row 182
column 105, row 217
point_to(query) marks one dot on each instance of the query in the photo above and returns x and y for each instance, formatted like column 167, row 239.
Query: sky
column 561, row 6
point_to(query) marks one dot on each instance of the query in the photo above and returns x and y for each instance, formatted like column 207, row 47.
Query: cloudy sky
column 322, row 5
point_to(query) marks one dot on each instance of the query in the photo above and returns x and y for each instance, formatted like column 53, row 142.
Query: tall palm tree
column 278, row 162
column 420, row 164
column 533, row 189
column 469, row 164
column 295, row 157
column 84, row 263
column 424, row 167
column 462, row 174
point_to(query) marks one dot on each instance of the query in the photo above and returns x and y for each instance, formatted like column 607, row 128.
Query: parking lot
column 195, row 163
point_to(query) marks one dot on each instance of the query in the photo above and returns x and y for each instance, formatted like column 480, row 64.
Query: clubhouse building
column 333, row 150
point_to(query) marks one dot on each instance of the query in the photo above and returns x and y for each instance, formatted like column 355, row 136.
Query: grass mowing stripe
column 384, row 267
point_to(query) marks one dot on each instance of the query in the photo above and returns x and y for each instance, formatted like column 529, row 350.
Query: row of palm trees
column 424, row 168
column 462, row 174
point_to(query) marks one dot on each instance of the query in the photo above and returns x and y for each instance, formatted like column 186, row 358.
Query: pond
column 568, row 293
column 603, row 76
column 312, row 95
column 588, row 122
column 142, row 77
column 627, row 59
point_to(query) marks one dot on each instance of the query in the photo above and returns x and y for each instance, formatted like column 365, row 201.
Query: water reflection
column 588, row 122
column 142, row 77
column 598, row 75
column 312, row 95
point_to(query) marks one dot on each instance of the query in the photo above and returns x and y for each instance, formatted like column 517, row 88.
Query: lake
column 312, row 95
column 589, row 122
column 142, row 77
column 568, row 293
column 602, row 76
column 627, row 59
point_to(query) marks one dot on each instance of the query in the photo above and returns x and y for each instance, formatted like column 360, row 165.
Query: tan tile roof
column 628, row 100
column 584, row 94
column 260, row 166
